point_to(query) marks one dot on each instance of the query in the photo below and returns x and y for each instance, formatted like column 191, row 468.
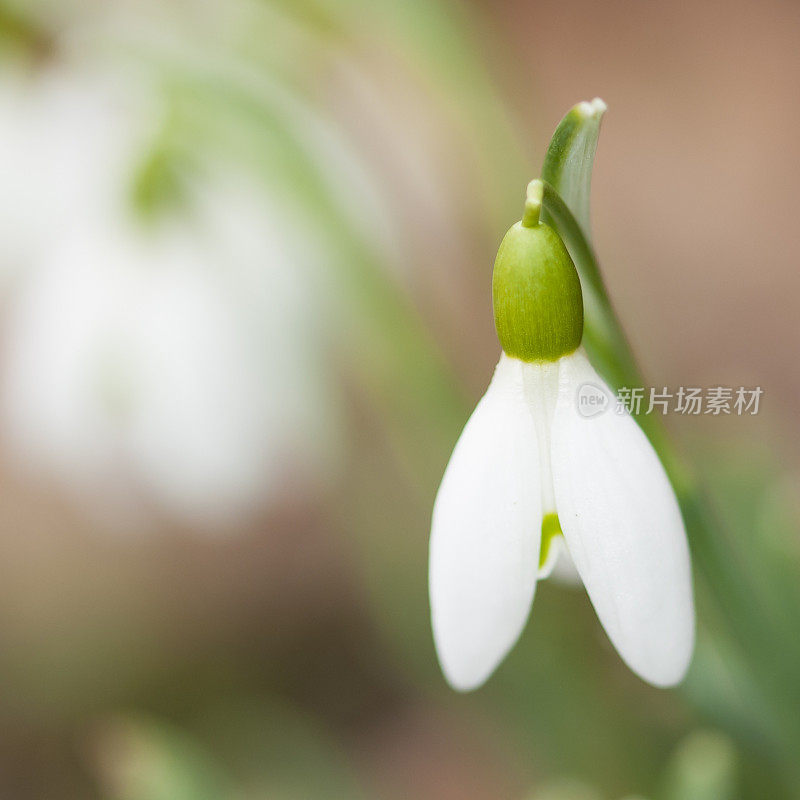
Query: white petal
column 485, row 536
column 623, row 529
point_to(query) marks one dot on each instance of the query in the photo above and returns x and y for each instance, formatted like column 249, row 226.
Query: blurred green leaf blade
column 570, row 158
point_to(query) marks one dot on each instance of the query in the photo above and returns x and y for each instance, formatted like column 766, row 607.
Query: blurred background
column 245, row 260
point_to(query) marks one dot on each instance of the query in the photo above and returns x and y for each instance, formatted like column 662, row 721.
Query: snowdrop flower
column 532, row 482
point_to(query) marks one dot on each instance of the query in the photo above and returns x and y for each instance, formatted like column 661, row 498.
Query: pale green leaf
column 570, row 157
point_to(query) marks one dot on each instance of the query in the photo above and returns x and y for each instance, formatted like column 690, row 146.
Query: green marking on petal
column 551, row 528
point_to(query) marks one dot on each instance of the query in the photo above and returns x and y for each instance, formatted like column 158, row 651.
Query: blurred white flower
column 66, row 147
column 180, row 359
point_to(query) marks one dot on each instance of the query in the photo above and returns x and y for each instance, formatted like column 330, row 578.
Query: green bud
column 536, row 292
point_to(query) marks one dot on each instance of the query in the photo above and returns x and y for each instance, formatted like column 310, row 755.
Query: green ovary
column 538, row 307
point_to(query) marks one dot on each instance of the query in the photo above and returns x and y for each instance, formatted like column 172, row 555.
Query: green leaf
column 570, row 157
column 567, row 176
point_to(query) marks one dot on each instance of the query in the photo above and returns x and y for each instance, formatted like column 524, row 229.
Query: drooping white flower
column 533, row 482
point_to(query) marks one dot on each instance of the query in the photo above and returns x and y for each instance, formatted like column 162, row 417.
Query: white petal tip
column 465, row 681
column 665, row 681
column 468, row 657
column 665, row 675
